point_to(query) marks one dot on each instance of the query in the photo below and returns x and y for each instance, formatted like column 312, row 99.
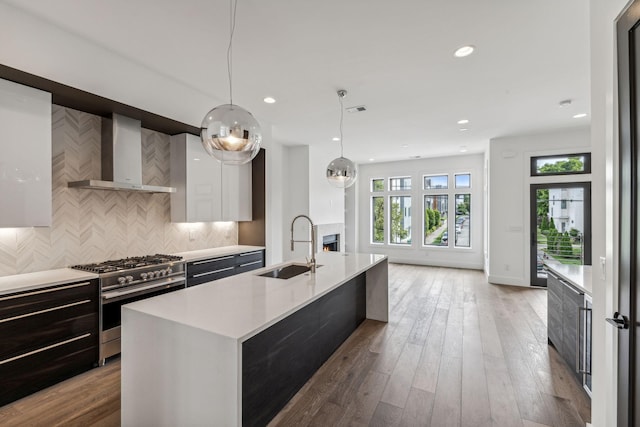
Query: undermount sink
column 286, row 271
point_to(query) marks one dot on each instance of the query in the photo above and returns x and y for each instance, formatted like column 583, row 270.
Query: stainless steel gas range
column 127, row 280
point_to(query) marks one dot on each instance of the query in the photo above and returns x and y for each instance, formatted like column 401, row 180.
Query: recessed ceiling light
column 463, row 149
column 579, row 116
column 405, row 145
column 463, row 51
column 335, row 138
column 269, row 100
column 371, row 160
column 565, row 103
column 463, row 129
column 463, row 122
column 196, row 159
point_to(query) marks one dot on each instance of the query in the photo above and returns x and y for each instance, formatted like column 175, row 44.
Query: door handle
column 619, row 321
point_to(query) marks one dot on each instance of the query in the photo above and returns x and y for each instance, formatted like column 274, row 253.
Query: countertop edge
column 200, row 254
column 580, row 286
column 42, row 279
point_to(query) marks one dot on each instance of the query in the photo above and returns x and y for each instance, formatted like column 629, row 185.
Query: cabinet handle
column 251, row 263
column 35, row 313
column 250, row 253
column 579, row 368
column 44, row 291
column 212, row 260
column 40, row 350
column 213, row 272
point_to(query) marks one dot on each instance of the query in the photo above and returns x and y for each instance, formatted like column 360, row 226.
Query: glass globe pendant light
column 229, row 132
column 341, row 172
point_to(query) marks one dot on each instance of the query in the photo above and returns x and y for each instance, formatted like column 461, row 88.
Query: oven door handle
column 119, row 294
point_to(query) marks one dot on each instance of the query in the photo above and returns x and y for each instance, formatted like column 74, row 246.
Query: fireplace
column 331, row 243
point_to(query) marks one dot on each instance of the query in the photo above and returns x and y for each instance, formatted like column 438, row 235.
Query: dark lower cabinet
column 46, row 336
column 564, row 313
column 277, row 362
column 207, row 270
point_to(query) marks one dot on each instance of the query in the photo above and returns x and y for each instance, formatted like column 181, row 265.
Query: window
column 398, row 184
column 400, row 219
column 463, row 221
column 432, row 182
column 377, row 185
column 377, row 220
column 563, row 204
column 435, row 220
column 561, row 165
column 463, row 180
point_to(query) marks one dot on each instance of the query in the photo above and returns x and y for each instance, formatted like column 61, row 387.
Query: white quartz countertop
column 41, row 279
column 217, row 252
column 577, row 275
column 240, row 306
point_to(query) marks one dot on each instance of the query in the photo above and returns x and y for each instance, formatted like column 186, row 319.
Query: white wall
column 604, row 138
column 296, row 200
column 326, row 202
column 416, row 253
column 508, row 211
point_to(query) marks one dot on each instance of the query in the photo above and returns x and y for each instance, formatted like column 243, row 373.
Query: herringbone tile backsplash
column 93, row 225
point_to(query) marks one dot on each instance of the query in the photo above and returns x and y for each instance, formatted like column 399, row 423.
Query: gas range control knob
column 150, row 274
column 121, row 280
column 129, row 279
column 143, row 276
column 158, row 273
column 169, row 270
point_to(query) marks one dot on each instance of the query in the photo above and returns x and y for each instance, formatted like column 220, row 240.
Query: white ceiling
column 395, row 57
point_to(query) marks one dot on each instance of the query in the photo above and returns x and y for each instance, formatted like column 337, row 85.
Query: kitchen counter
column 578, row 275
column 217, row 252
column 42, row 279
column 182, row 352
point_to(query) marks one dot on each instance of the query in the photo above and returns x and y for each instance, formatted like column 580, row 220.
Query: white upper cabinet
column 236, row 192
column 25, row 156
column 206, row 190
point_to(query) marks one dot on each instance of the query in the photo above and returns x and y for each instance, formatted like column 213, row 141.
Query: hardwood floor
column 457, row 351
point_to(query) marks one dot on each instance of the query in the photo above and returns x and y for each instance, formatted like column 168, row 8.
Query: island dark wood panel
column 278, row 361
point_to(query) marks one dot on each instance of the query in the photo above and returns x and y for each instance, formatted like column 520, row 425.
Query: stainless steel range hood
column 121, row 159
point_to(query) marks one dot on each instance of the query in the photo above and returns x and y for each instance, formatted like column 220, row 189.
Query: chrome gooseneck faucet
column 312, row 261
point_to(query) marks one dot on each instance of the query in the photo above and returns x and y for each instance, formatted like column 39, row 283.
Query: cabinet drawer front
column 249, row 266
column 23, row 303
column 248, row 257
column 210, row 265
column 25, row 375
column 209, row 276
column 28, row 333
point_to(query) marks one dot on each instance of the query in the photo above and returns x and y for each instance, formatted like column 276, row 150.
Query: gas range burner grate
column 127, row 263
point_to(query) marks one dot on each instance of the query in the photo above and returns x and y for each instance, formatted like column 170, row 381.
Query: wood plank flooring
column 457, row 351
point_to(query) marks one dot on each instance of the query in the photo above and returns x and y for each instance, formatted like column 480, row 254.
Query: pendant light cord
column 340, row 96
column 233, row 5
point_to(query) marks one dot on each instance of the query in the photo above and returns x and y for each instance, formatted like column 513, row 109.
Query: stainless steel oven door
column 113, row 300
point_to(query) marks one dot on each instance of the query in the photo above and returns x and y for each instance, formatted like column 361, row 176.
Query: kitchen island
column 234, row 351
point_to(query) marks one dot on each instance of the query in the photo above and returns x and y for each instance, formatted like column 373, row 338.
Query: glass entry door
column 560, row 226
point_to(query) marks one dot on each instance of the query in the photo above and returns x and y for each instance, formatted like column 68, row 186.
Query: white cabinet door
column 25, row 159
column 207, row 191
column 236, row 192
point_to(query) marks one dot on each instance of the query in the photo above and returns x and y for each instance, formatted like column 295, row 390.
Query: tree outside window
column 400, row 232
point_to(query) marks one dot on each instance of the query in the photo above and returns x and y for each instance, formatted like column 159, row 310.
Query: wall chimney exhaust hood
column 121, row 159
